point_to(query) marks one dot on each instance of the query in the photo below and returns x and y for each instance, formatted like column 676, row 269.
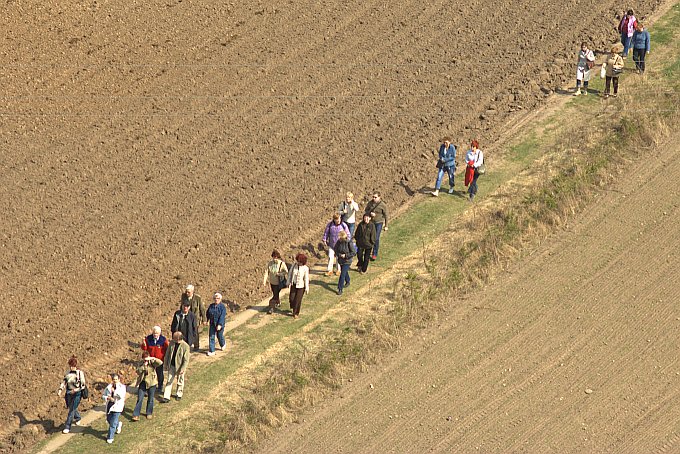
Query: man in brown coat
column 175, row 364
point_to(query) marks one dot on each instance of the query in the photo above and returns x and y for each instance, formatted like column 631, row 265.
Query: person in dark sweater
column 377, row 209
column 184, row 321
column 344, row 251
column 365, row 238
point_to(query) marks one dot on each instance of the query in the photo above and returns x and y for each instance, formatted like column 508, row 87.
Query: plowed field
column 150, row 144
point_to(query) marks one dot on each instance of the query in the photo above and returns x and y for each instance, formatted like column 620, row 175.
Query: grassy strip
column 589, row 160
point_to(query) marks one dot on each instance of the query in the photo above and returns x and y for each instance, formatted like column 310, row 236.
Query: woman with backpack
column 74, row 386
column 275, row 275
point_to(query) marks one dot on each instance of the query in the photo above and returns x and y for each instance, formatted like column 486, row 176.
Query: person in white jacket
column 114, row 398
column 586, row 60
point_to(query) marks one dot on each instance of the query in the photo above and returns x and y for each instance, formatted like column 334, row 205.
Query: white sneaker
column 65, row 431
column 210, row 353
column 450, row 190
column 578, row 92
column 119, row 428
column 224, row 347
column 435, row 193
column 79, row 422
column 109, row 441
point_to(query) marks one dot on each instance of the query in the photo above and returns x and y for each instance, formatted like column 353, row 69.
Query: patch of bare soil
column 574, row 350
column 146, row 145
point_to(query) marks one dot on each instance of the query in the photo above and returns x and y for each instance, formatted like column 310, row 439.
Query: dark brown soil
column 148, row 145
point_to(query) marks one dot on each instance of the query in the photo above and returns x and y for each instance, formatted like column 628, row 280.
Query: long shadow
column 47, row 424
column 409, row 192
column 94, row 433
column 326, row 285
column 133, row 345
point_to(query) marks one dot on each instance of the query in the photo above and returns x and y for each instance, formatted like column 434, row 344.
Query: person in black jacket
column 344, row 251
column 365, row 238
column 184, row 321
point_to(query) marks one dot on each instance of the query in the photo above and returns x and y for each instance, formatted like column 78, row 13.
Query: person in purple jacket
column 217, row 317
column 330, row 237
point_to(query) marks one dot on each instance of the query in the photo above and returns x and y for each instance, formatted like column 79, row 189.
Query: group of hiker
column 634, row 36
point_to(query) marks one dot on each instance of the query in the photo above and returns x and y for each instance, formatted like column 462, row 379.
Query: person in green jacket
column 147, row 380
column 175, row 365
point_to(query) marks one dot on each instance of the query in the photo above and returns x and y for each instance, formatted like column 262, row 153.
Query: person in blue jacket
column 445, row 163
column 217, row 317
column 640, row 45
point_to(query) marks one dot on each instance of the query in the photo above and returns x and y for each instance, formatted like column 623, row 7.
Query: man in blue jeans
column 445, row 163
column 217, row 316
column 377, row 210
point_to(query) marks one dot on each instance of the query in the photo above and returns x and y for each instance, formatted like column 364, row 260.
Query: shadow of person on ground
column 326, row 285
column 47, row 424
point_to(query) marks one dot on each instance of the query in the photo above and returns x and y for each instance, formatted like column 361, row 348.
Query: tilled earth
column 150, row 144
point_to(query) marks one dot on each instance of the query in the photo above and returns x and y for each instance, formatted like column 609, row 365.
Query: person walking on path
column 627, row 28
column 586, row 60
column 641, row 45
column 197, row 308
column 275, row 275
column 365, row 238
column 175, row 364
column 72, row 387
column 613, row 70
column 330, row 236
column 156, row 344
column 298, row 278
column 348, row 210
column 147, row 380
column 474, row 160
column 114, row 398
column 344, row 251
column 445, row 163
column 185, row 322
column 217, row 317
column 377, row 209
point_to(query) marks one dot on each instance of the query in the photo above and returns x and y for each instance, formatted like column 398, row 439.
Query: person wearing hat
column 184, row 322
column 197, row 308
column 613, row 70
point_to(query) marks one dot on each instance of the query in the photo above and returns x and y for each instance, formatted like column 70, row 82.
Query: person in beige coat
column 275, row 275
column 147, row 380
column 175, row 365
column 298, row 279
column 613, row 70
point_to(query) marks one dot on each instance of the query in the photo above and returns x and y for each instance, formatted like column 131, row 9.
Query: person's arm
column 647, row 40
column 155, row 362
column 325, row 233
column 307, row 280
column 185, row 362
column 173, row 326
column 385, row 215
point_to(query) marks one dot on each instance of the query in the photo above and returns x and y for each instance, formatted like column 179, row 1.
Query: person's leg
column 344, row 277
column 168, row 386
column 376, row 246
column 452, row 178
column 607, row 84
column 180, row 386
column 291, row 297
column 615, row 83
column 635, row 59
column 141, row 392
column 626, row 46
column 331, row 258
column 366, row 259
column 113, row 419
column 624, row 38
column 72, row 400
column 298, row 301
column 352, row 227
column 149, row 401
column 161, row 377
column 220, row 338
column 438, row 181
column 345, row 271
column 211, row 338
column 473, row 186
column 641, row 57
column 585, row 87
column 360, row 257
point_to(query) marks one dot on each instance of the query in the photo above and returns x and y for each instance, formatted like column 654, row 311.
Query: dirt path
column 575, row 350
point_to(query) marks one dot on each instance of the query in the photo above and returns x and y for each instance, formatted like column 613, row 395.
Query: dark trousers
column 364, row 256
column 344, row 276
column 295, row 299
column 161, row 376
column 639, row 59
column 378, row 231
column 611, row 81
column 472, row 189
column 276, row 290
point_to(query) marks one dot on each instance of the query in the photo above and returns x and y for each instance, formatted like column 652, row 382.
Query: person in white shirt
column 586, row 60
column 298, row 279
column 114, row 398
column 474, row 159
column 348, row 210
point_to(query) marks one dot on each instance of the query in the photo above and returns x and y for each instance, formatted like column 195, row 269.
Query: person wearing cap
column 445, row 164
column 185, row 322
column 197, row 308
column 217, row 317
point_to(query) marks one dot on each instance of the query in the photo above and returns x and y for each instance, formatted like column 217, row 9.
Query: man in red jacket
column 156, row 344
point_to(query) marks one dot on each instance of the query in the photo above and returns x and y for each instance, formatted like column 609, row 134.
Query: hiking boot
column 435, row 193
column 339, row 292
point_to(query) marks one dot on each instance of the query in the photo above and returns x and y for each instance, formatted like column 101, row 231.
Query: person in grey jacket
column 641, row 45
column 377, row 210
column 445, row 163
